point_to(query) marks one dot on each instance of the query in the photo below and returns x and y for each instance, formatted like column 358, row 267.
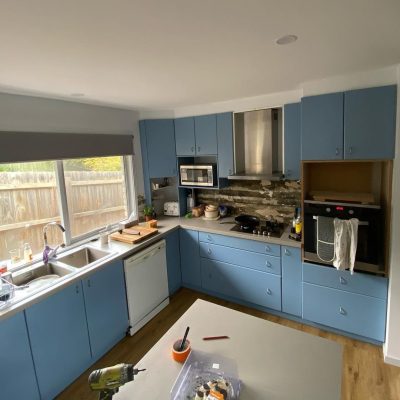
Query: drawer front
column 244, row 244
column 258, row 261
column 360, row 283
column 351, row 312
column 242, row 283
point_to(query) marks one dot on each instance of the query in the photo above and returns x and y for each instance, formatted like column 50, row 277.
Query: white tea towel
column 345, row 242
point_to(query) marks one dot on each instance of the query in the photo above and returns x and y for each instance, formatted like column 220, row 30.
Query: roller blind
column 24, row 146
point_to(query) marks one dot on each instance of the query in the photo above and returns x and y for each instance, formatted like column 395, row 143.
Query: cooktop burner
column 267, row 228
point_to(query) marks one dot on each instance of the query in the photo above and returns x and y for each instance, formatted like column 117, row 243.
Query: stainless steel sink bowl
column 84, row 256
column 26, row 275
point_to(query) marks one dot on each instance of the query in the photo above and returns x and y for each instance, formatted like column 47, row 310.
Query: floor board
column 364, row 377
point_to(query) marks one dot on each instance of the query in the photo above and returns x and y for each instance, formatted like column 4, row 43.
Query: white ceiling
column 159, row 54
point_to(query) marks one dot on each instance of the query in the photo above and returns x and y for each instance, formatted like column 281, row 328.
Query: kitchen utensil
column 247, row 222
column 126, row 237
column 184, row 339
column 212, row 219
column 215, row 337
column 211, row 214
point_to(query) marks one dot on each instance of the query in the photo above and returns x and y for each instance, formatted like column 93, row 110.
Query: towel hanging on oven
column 345, row 243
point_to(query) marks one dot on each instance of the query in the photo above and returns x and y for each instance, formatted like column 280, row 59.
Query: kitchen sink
column 43, row 274
column 84, row 256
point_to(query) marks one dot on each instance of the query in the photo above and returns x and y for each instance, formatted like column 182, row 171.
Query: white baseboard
column 388, row 359
column 134, row 328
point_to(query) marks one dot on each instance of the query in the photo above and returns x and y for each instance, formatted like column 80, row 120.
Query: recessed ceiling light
column 287, row 39
column 77, row 94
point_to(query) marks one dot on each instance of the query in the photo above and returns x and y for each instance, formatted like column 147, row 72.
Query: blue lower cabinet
column 59, row 339
column 17, row 374
column 106, row 308
column 173, row 262
column 249, row 259
column 190, row 258
column 291, row 281
column 241, row 283
column 355, row 313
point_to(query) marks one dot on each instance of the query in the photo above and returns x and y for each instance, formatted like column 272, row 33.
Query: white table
column 274, row 362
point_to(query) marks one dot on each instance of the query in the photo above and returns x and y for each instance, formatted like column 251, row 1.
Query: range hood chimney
column 258, row 145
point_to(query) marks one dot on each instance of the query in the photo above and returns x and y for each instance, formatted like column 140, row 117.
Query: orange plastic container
column 181, row 356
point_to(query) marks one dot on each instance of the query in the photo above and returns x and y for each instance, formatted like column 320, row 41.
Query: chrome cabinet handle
column 198, row 149
column 267, row 248
column 209, row 238
column 230, row 172
column 268, row 264
column 192, row 149
column 337, row 151
column 342, row 280
column 77, row 289
column 351, row 150
column 209, row 251
column 269, row 291
column 342, row 311
column 89, row 283
column 287, row 252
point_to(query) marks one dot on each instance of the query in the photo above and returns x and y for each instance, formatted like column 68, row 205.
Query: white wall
column 392, row 345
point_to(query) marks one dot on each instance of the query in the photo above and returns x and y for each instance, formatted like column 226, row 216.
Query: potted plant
column 148, row 212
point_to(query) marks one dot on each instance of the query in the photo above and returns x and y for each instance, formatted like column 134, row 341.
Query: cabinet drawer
column 369, row 285
column 242, row 283
column 244, row 258
column 244, row 244
column 351, row 312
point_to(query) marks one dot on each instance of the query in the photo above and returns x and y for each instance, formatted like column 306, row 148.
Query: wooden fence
column 28, row 201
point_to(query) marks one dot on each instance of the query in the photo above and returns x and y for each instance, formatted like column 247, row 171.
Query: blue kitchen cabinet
column 59, row 339
column 241, row 283
column 190, row 258
column 173, row 262
column 370, row 123
column 291, row 281
column 225, row 144
column 292, row 140
column 205, row 127
column 106, row 308
column 185, row 136
column 322, row 127
column 160, row 147
column 145, row 162
column 17, row 373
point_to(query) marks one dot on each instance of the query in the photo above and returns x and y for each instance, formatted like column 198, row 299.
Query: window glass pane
column 96, row 193
column 28, row 201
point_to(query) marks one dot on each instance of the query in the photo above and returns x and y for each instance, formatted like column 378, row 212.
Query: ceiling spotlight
column 77, row 94
column 287, row 39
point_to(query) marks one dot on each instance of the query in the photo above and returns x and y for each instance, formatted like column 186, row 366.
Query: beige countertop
column 274, row 362
column 122, row 250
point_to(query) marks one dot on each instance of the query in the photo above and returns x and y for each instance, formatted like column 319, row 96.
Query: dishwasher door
column 146, row 284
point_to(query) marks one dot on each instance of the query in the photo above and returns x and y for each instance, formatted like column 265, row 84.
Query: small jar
column 27, row 252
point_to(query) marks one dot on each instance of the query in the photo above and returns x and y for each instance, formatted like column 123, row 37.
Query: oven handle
column 363, row 223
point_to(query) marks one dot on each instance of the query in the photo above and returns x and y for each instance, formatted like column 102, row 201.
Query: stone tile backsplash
column 260, row 198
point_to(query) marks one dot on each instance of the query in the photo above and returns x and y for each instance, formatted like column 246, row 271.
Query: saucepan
column 247, row 222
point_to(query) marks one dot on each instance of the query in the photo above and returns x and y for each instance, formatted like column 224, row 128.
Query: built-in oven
column 198, row 175
column 370, row 246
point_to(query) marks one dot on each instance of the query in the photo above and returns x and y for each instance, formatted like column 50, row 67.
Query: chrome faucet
column 48, row 252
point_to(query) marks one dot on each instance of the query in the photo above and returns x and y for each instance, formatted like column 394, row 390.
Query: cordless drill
column 108, row 380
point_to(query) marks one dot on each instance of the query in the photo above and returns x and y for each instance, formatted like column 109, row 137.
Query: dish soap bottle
column 27, row 252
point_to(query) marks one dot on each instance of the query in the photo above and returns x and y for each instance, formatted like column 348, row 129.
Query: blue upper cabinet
column 17, row 374
column 59, row 339
column 185, row 137
column 160, row 147
column 370, row 123
column 107, row 316
column 322, row 127
column 292, row 140
column 225, row 144
column 205, row 127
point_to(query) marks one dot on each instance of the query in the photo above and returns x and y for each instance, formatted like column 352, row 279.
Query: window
column 84, row 195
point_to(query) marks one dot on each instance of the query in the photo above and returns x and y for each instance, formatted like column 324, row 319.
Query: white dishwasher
column 146, row 284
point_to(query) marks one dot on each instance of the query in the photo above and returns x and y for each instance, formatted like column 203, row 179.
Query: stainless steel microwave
column 198, row 175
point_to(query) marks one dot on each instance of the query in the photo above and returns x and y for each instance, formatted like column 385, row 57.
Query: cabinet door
column 184, row 136
column 322, row 127
column 160, row 143
column 225, row 144
column 205, row 128
column 242, row 283
column 59, row 339
column 370, row 123
column 173, row 262
column 291, row 281
column 190, row 259
column 292, row 140
column 106, row 308
column 17, row 374
column 145, row 162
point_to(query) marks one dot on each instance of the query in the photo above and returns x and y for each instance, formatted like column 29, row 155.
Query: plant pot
column 148, row 218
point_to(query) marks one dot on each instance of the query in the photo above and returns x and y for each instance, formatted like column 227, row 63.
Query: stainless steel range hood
column 258, row 145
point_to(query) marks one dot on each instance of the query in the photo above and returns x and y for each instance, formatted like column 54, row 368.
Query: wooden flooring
column 365, row 376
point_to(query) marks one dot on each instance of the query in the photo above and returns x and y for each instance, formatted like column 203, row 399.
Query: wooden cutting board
column 134, row 235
